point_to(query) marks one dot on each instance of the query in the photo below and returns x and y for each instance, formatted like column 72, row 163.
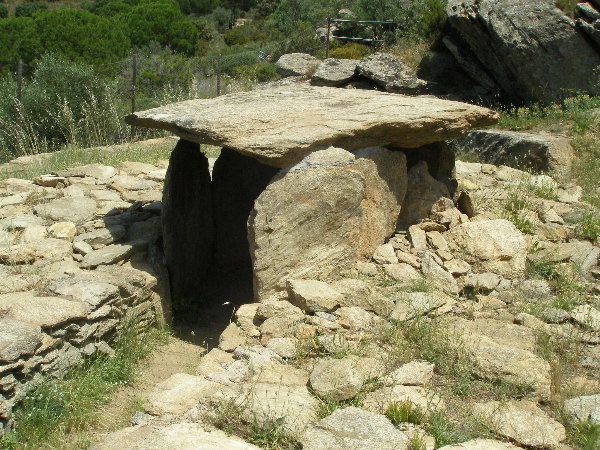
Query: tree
column 160, row 21
column 19, row 39
column 81, row 36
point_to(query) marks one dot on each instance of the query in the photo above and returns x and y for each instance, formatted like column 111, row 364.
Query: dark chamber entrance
column 205, row 233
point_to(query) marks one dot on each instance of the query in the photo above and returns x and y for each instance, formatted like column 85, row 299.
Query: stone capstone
column 273, row 127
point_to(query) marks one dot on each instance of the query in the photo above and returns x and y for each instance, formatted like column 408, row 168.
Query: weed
column 58, row 407
column 444, row 431
column 406, row 411
column 228, row 416
column 585, row 435
column 328, row 405
column 589, row 226
column 417, row 442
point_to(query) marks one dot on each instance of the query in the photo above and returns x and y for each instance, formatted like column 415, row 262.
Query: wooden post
column 20, row 80
column 327, row 38
column 219, row 75
column 133, row 88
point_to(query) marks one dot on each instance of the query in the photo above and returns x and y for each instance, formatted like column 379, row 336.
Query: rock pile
column 323, row 341
column 79, row 259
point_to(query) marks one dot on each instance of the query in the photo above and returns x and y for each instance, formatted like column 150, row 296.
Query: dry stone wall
column 79, row 258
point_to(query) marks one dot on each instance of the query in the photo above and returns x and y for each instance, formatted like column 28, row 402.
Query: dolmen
column 309, row 180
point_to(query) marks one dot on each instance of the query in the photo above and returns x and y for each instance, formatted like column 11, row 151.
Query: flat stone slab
column 279, row 127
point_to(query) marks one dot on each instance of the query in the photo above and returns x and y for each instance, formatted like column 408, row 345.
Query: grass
column 579, row 118
column 402, row 412
column 144, row 151
column 50, row 413
column 584, row 435
column 270, row 434
column 589, row 226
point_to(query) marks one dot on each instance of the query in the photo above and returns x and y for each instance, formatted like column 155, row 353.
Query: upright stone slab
column 187, row 220
column 237, row 181
column 321, row 215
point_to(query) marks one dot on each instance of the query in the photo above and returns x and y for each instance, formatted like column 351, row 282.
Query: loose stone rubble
column 322, row 340
column 77, row 264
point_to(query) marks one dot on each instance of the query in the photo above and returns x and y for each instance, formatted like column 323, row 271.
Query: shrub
column 350, row 51
column 3, row 11
column 19, row 39
column 260, row 72
column 242, row 35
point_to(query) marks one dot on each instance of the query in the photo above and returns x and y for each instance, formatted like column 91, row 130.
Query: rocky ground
column 481, row 328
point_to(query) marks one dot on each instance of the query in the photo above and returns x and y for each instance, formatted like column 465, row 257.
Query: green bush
column 3, row 11
column 159, row 68
column 260, row 72
column 350, row 51
column 63, row 103
column 242, row 35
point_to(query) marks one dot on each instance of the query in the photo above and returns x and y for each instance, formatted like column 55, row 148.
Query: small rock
column 417, row 237
column 481, row 444
column 103, row 236
column 296, row 64
column 63, row 230
column 403, row 273
column 414, row 373
column 284, row 347
column 437, row 275
column 334, row 72
column 111, row 254
column 354, row 318
column 313, row 296
column 457, row 267
column 385, row 254
column 379, row 401
column 231, row 338
column 68, row 209
column 367, row 268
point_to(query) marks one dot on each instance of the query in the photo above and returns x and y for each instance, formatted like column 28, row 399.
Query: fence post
column 133, row 87
column 20, row 80
column 327, row 38
column 219, row 75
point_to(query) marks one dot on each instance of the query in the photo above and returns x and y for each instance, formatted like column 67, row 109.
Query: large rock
column 296, row 64
column 342, row 379
column 540, row 152
column 324, row 214
column 68, row 209
column 481, row 444
column 504, row 352
column 334, row 72
column 176, row 436
column 17, row 338
column 313, row 296
column 187, row 220
column 237, row 181
column 584, row 408
column 391, row 74
column 273, row 126
column 178, row 393
column 41, row 311
column 525, row 46
column 354, row 428
column 422, row 193
column 522, row 421
column 495, row 246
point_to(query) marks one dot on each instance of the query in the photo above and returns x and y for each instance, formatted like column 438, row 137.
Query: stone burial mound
column 310, row 179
